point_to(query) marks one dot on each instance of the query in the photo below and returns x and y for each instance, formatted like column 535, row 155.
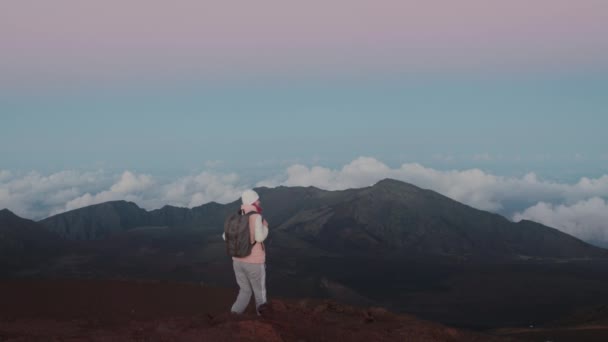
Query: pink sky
column 109, row 40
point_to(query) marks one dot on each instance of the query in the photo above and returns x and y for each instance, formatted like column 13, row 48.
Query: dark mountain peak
column 389, row 182
column 24, row 242
column 210, row 206
column 97, row 220
column 118, row 204
column 169, row 207
column 285, row 188
column 9, row 218
column 393, row 190
column 6, row 213
column 167, row 210
column 105, row 208
column 395, row 184
column 290, row 188
column 213, row 204
column 114, row 206
column 525, row 222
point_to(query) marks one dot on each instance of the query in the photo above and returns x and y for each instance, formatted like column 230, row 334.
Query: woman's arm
column 261, row 229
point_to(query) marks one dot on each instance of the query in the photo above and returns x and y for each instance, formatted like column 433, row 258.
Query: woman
column 250, row 271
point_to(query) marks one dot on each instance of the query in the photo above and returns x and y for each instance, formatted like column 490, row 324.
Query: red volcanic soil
column 114, row 310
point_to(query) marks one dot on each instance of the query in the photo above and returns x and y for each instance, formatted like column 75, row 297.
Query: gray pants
column 251, row 279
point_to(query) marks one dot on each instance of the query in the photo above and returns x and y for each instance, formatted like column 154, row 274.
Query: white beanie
column 249, row 197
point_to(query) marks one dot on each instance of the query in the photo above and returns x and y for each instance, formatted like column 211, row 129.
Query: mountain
column 387, row 219
column 102, row 220
column 25, row 243
column 396, row 217
column 97, row 221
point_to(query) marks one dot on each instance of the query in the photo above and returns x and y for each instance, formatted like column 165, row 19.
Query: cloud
column 130, row 187
column 189, row 191
column 587, row 220
column 361, row 172
column 205, row 187
column 130, row 182
column 4, row 174
column 35, row 196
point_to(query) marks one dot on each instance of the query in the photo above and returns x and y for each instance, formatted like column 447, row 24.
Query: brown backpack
column 236, row 230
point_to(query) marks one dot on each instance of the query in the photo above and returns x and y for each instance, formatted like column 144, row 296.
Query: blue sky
column 551, row 124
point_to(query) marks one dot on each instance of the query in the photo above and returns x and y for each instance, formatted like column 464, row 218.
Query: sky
column 193, row 101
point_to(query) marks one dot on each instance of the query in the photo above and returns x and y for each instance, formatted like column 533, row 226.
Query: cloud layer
column 578, row 208
column 36, row 196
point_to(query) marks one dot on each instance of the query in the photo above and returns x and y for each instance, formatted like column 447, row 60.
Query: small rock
column 368, row 317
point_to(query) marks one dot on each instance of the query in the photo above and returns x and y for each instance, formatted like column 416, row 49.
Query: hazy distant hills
column 389, row 218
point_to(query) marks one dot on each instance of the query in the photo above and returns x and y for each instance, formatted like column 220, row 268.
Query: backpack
column 236, row 229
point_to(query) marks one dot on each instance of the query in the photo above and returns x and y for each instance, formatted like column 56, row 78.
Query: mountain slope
column 97, row 221
column 396, row 217
column 24, row 242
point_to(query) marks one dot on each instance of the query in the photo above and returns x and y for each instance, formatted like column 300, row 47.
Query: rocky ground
column 115, row 310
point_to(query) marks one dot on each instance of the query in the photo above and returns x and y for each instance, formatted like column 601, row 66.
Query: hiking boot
column 264, row 310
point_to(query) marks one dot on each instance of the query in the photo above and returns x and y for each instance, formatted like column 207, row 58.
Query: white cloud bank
column 189, row 191
column 37, row 196
column 578, row 208
column 130, row 187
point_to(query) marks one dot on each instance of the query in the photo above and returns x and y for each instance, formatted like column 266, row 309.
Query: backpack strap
column 242, row 212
